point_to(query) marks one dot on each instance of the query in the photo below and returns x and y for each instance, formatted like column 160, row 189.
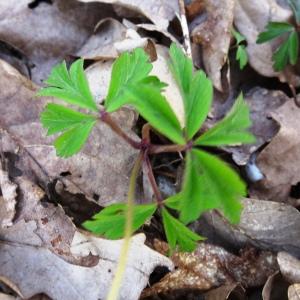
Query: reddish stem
column 152, row 180
column 106, row 118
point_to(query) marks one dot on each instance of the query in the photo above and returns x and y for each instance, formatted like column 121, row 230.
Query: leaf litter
column 74, row 263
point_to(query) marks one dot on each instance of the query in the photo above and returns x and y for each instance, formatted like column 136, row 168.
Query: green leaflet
column 75, row 125
column 287, row 52
column 239, row 38
column 110, row 222
column 71, row 86
column 242, row 56
column 149, row 102
column 232, row 130
column 210, row 183
column 196, row 90
column 71, row 141
column 58, row 118
column 274, row 30
column 178, row 233
column 293, row 41
column 241, row 53
column 128, row 69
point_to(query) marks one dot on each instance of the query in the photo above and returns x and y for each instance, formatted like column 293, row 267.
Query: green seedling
column 209, row 183
column 241, row 53
column 288, row 52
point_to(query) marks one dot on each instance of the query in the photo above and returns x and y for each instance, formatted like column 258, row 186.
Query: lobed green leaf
column 128, row 69
column 239, row 38
column 58, row 118
column 72, row 140
column 209, row 183
column 232, row 130
column 293, row 41
column 71, row 86
column 196, row 90
column 274, row 30
column 178, row 233
column 110, row 222
column 75, row 125
column 154, row 107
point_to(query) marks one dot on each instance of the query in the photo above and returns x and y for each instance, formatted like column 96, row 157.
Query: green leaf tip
column 110, row 222
column 178, row 234
column 232, row 130
column 196, row 90
column 70, row 86
column 128, row 69
column 274, row 30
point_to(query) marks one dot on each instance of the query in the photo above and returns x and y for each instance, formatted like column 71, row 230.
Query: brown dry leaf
column 263, row 224
column 159, row 12
column 280, row 160
column 294, row 292
column 110, row 38
column 102, row 168
column 53, row 258
column 49, row 32
column 100, row 44
column 210, row 266
column 214, row 34
column 251, row 18
column 289, row 267
column 225, row 292
column 7, row 199
column 275, row 287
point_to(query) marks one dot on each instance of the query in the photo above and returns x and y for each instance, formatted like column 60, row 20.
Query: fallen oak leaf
column 159, row 12
column 211, row 266
column 280, row 160
column 74, row 266
column 7, row 199
column 214, row 34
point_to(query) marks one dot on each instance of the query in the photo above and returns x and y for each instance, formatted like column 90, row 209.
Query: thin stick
column 154, row 149
column 153, row 183
column 185, row 29
column 106, row 118
column 117, row 281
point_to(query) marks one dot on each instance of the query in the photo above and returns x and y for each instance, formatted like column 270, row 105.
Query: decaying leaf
column 251, row 18
column 289, row 267
column 102, row 168
column 214, row 35
column 109, row 39
column 7, row 199
column 49, row 32
column 225, row 292
column 264, row 224
column 275, row 287
column 53, row 258
column 211, row 266
column 294, row 292
column 159, row 12
column 280, row 160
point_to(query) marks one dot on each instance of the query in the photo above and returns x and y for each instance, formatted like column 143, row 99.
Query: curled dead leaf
column 214, row 35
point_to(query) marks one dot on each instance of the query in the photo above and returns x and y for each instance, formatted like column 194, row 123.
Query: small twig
column 152, row 180
column 185, row 29
column 106, row 118
column 154, row 149
column 293, row 90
